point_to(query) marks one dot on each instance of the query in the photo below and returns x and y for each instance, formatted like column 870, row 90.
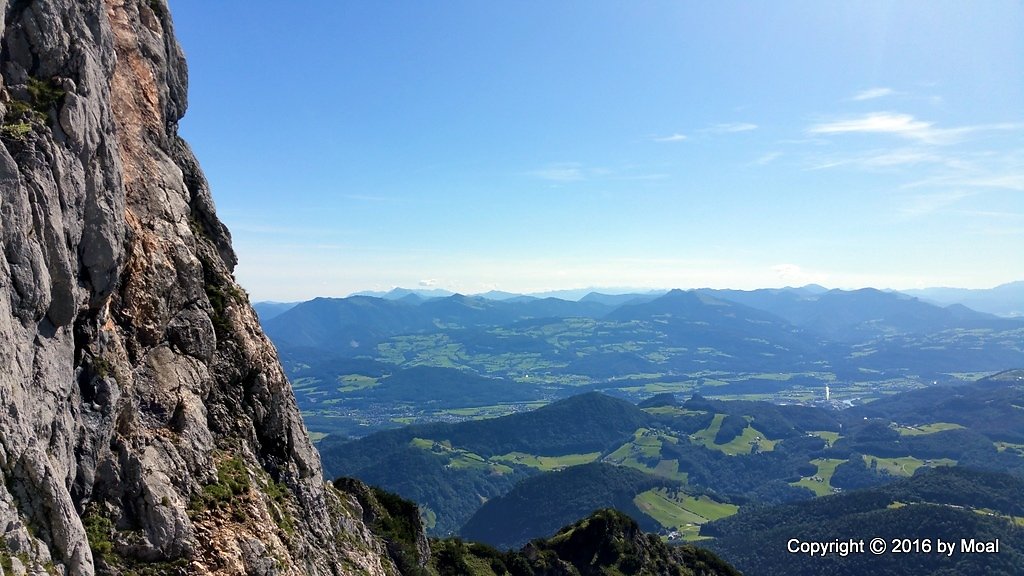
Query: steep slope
column 537, row 507
column 146, row 423
column 951, row 504
column 441, row 466
column 605, row 543
column 353, row 323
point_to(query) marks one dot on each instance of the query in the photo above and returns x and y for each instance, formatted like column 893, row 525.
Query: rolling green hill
column 735, row 453
column 605, row 543
column 449, row 469
column 943, row 503
column 540, row 505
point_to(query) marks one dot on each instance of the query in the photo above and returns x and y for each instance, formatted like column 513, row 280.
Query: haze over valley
column 365, row 362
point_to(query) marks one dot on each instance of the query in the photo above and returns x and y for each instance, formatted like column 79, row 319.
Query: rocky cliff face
column 146, row 426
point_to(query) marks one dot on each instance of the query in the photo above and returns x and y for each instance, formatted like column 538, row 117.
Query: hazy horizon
column 609, row 290
column 537, row 146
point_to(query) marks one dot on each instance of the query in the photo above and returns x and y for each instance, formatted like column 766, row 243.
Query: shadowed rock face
column 145, row 422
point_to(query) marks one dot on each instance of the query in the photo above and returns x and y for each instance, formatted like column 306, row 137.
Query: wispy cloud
column 873, row 93
column 676, row 137
column 972, row 179
column 924, row 204
column 768, row 158
column 569, row 172
column 903, row 157
column 730, row 127
column 982, row 170
column 566, row 172
column 1005, row 181
column 884, row 160
column 904, row 126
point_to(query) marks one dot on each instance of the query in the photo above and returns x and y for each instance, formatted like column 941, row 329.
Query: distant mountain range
column 834, row 314
column 364, row 363
column 768, row 328
column 1003, row 300
column 572, row 294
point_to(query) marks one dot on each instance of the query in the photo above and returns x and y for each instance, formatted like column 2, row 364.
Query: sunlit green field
column 644, row 448
column 547, row 463
column 826, row 468
column 826, row 435
column 1004, row 446
column 707, row 435
column 458, row 458
column 355, row 382
column 905, row 466
column 927, row 428
column 742, row 444
column 494, row 411
column 681, row 511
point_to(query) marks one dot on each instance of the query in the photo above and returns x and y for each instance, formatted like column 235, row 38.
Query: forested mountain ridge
column 689, row 463
column 449, row 468
column 774, row 343
column 600, row 543
column 954, row 505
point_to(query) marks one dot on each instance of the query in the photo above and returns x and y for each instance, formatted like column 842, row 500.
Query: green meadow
column 681, row 511
column 826, row 468
column 547, row 463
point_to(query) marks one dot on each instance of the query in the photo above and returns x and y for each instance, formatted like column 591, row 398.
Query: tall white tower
column 828, row 393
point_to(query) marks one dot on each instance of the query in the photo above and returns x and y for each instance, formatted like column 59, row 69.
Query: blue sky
column 537, row 145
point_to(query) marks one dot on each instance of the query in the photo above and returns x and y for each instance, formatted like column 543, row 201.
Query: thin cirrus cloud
column 925, row 204
column 873, row 93
column 768, row 158
column 904, row 126
column 993, row 179
column 731, row 127
column 725, row 128
column 569, row 172
column 676, row 137
column 883, row 160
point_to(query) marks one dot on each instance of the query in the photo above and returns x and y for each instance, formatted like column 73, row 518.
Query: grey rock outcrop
column 146, row 424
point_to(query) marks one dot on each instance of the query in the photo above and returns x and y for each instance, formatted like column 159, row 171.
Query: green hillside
column 449, row 469
column 605, row 543
column 538, row 506
column 674, row 467
column 949, row 503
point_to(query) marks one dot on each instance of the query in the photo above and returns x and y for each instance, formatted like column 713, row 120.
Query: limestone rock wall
column 145, row 422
